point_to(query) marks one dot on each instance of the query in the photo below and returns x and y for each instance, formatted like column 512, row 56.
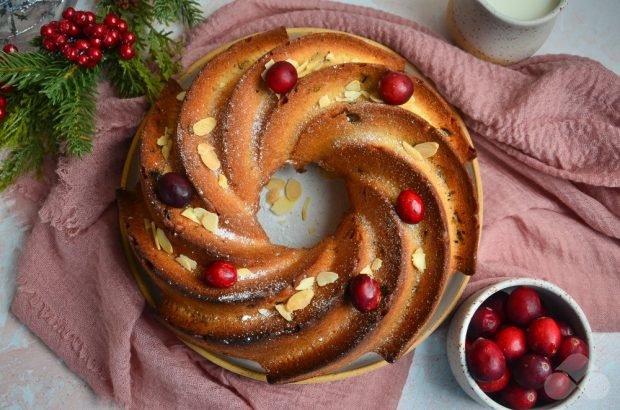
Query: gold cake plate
column 371, row 361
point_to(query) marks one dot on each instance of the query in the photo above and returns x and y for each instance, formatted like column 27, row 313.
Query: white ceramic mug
column 503, row 33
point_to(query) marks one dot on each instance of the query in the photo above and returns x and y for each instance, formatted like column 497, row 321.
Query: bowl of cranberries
column 520, row 344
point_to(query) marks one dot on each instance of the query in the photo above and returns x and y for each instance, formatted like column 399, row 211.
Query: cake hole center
column 325, row 199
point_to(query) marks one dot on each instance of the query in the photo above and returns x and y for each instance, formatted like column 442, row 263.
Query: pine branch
column 168, row 11
column 133, row 78
column 24, row 70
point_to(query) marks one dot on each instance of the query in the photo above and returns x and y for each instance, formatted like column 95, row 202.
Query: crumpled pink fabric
column 547, row 133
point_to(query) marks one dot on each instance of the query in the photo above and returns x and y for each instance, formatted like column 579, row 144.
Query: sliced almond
column 200, row 212
column 204, row 126
column 282, row 206
column 264, row 312
column 244, row 272
column 204, row 147
column 352, row 95
column 283, row 312
column 191, row 215
column 354, row 85
column 324, row 101
column 304, row 210
column 325, row 278
column 427, row 149
column 188, row 263
column 210, row 221
column 163, row 241
column 163, row 140
column 339, row 98
column 376, row 264
column 414, row 153
column 374, row 98
column 293, row 190
column 330, row 56
column 268, row 65
column 294, row 63
column 167, row 169
column 366, row 270
column 275, row 183
column 418, row 258
column 299, row 300
column 273, row 196
column 222, row 181
column 305, row 283
column 209, row 157
column 154, row 232
column 165, row 150
column 181, row 95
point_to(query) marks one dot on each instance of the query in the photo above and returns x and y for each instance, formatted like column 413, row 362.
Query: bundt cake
column 207, row 154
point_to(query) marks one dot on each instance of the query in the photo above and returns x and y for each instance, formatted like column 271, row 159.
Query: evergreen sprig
column 52, row 110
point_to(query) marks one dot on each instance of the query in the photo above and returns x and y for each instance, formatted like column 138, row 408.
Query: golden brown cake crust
column 333, row 118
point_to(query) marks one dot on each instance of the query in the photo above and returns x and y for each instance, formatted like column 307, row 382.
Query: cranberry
column 46, row 31
column 100, row 31
column 127, row 52
column 129, row 38
column 122, row 26
column 543, row 336
column 495, row 385
column 90, row 17
column 558, row 386
column 281, row 77
column 519, row 398
column 174, row 189
column 468, row 343
column 49, row 45
column 69, row 13
column 111, row 20
column 2, row 114
column 485, row 360
column 95, row 54
column 83, row 60
column 572, row 345
column 496, row 302
column 64, row 26
column 95, row 42
column 9, row 48
column 575, row 366
column 74, row 31
column 484, row 322
column 80, row 19
column 71, row 53
column 82, row 44
column 410, row 207
column 512, row 341
column 111, row 38
column 365, row 293
column 89, row 30
column 565, row 329
column 220, row 274
column 2, row 102
column 572, row 357
column 395, row 88
column 531, row 371
column 60, row 40
column 523, row 306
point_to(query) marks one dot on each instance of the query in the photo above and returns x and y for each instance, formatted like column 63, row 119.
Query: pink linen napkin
column 547, row 133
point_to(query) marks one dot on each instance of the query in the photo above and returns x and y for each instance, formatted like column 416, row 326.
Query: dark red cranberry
column 2, row 102
column 512, row 341
column 485, row 360
column 543, row 336
column 220, row 274
column 468, row 343
column 121, row 26
column 89, row 30
column 523, row 306
column 69, row 13
column 60, row 40
column 519, row 398
column 82, row 44
column 47, row 31
column 565, row 329
column 531, row 371
column 558, row 386
column 496, row 302
column 111, row 20
column 395, row 88
column 74, row 31
column 80, row 19
column 90, row 17
column 2, row 113
column 129, row 38
column 100, row 31
column 64, row 26
column 410, row 207
column 83, row 60
column 111, row 38
column 575, row 366
column 495, row 385
column 95, row 54
column 49, row 45
column 95, row 42
column 484, row 323
column 10, row 48
column 71, row 53
column 174, row 189
column 365, row 293
column 127, row 52
column 572, row 345
column 281, row 77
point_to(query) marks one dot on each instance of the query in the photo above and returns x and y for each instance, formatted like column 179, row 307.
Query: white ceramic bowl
column 556, row 300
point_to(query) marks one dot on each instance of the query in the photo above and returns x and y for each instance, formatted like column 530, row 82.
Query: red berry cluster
column 520, row 355
column 9, row 49
column 81, row 39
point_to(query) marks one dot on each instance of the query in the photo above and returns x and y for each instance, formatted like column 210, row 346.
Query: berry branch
column 47, row 97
